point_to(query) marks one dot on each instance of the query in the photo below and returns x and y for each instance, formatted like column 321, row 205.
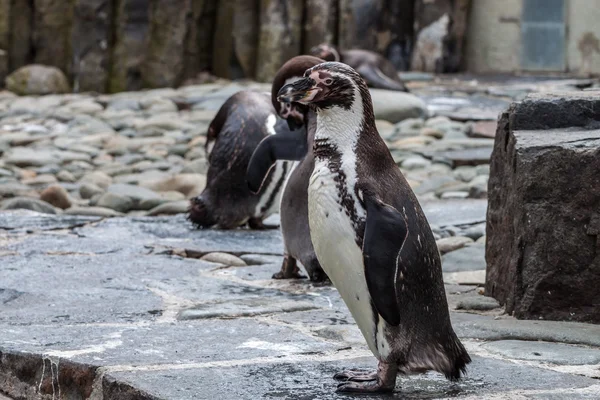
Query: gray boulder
column 37, row 79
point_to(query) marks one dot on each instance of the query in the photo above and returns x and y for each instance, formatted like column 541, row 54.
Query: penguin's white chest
column 333, row 238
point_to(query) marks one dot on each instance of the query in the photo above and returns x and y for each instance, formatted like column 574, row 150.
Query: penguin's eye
column 328, row 81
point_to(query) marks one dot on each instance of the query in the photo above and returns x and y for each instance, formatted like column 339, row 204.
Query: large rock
column 385, row 26
column 245, row 32
column 321, row 23
column 543, row 231
column 396, row 106
column 280, row 35
column 53, row 20
column 130, row 43
column 440, row 27
column 37, row 79
column 91, row 38
column 164, row 63
column 199, row 41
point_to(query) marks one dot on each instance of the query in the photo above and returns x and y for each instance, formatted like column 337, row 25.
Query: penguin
column 376, row 70
column 233, row 134
column 294, row 199
column 371, row 236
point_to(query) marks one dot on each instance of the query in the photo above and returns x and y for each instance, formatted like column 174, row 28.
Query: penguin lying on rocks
column 375, row 69
column 226, row 202
column 371, row 236
column 294, row 200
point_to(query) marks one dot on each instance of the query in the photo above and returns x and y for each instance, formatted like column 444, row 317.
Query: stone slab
column 117, row 294
column 313, row 380
column 555, row 353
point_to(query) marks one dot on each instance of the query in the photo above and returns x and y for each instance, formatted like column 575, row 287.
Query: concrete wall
column 494, row 36
column 583, row 45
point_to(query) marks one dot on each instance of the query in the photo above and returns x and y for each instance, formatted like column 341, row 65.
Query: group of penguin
column 310, row 151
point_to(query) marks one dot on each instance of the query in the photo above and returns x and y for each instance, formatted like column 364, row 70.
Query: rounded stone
column 89, row 190
column 115, row 202
column 92, row 211
column 415, row 162
column 36, row 79
column 28, row 203
column 65, row 176
column 57, row 196
column 224, row 258
column 97, row 178
column 452, row 243
column 170, row 208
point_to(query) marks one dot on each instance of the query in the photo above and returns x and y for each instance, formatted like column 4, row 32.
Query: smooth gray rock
column 454, row 212
column 28, row 203
column 137, row 195
column 115, row 202
column 89, row 190
column 170, row 208
column 394, row 106
column 470, row 258
column 92, row 211
column 477, row 303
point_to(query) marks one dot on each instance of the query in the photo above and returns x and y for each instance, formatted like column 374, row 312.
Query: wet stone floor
column 132, row 308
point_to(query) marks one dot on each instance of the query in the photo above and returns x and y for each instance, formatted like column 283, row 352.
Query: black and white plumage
column 297, row 146
column 371, row 236
column 241, row 123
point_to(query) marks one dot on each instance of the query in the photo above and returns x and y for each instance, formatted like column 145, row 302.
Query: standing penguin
column 376, row 70
column 226, row 202
column 297, row 146
column 371, row 236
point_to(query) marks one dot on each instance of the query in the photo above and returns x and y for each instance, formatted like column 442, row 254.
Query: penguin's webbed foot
column 364, row 387
column 355, row 375
column 289, row 270
column 384, row 380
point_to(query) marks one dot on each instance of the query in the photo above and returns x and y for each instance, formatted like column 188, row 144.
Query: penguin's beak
column 302, row 91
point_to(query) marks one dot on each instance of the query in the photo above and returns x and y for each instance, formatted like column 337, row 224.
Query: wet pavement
column 125, row 308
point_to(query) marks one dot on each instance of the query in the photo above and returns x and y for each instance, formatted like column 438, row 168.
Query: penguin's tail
column 458, row 359
column 200, row 214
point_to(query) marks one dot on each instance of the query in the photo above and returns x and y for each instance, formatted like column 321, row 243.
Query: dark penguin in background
column 375, row 69
column 371, row 236
column 242, row 122
column 294, row 200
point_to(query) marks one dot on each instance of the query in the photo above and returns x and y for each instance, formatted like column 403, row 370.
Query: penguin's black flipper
column 385, row 235
column 290, row 146
column 377, row 79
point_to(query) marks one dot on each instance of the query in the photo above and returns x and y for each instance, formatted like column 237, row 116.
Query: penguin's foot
column 289, row 270
column 355, row 375
column 384, row 380
column 257, row 223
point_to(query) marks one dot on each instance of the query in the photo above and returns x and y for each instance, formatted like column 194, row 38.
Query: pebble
column 415, row 162
column 89, row 190
column 188, row 184
column 65, row 176
column 28, row 203
column 44, row 179
column 115, row 202
column 224, row 258
column 170, row 208
column 92, row 211
column 135, row 193
column 465, row 173
column 446, row 245
column 97, row 178
column 57, row 196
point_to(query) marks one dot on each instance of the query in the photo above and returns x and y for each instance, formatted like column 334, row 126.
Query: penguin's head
column 327, row 85
column 326, row 52
column 291, row 71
